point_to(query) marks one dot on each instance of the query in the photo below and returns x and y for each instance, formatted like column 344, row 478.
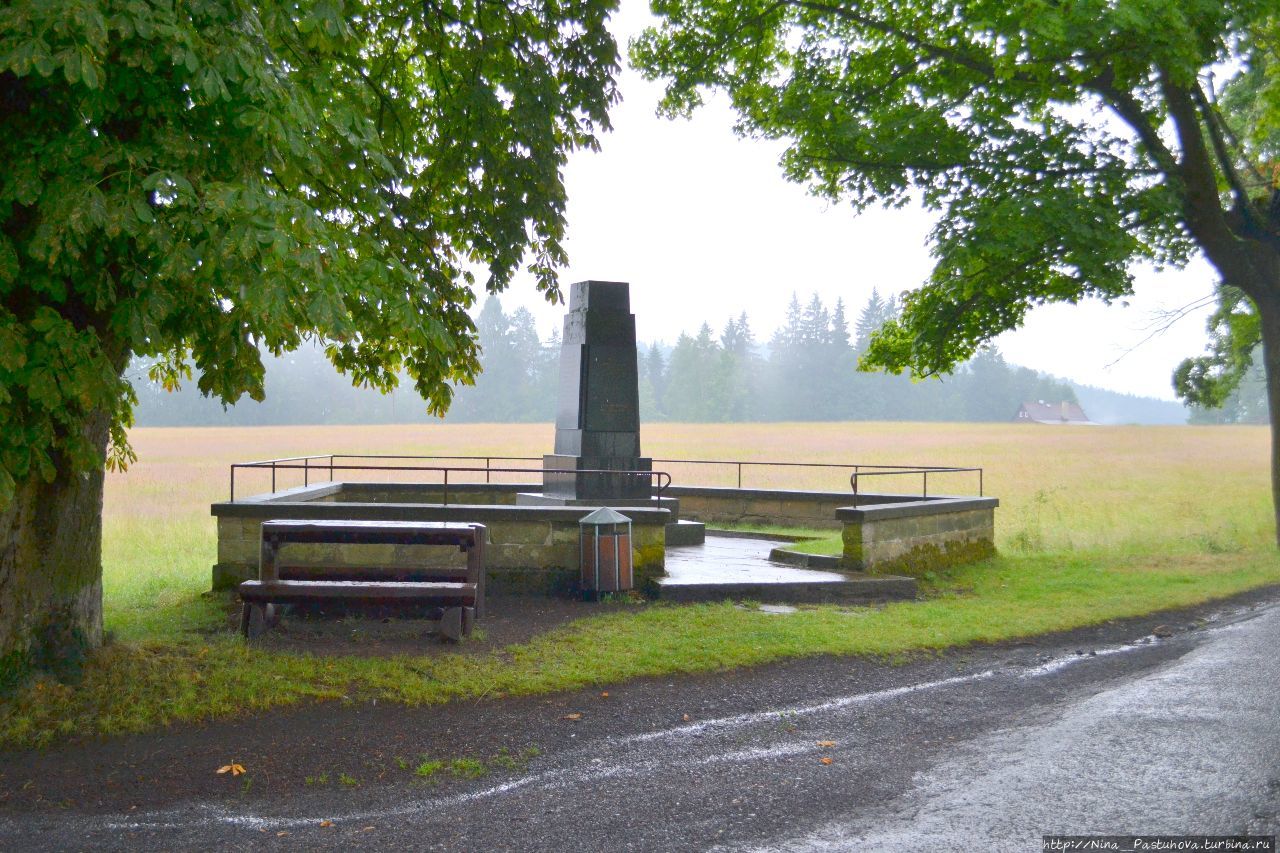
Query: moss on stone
column 928, row 557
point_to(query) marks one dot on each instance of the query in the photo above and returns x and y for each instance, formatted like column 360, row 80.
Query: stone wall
column 775, row 507
column 915, row 537
column 483, row 494
column 529, row 549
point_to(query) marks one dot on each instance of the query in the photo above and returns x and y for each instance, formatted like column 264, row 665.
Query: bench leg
column 450, row 625
column 468, row 620
column 253, row 620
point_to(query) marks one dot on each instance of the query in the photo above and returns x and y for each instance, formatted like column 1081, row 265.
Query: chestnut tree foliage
column 1059, row 142
column 191, row 181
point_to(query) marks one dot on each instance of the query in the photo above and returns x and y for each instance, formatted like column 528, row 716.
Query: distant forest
column 805, row 372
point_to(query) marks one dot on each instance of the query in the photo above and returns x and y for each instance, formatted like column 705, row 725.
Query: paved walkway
column 730, row 559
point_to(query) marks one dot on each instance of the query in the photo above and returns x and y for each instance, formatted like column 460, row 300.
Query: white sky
column 703, row 226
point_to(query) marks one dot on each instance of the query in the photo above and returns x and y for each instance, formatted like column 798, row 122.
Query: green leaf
column 13, row 354
column 71, row 65
column 42, row 388
column 9, row 264
column 88, row 69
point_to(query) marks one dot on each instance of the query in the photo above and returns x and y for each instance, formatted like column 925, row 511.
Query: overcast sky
column 703, row 226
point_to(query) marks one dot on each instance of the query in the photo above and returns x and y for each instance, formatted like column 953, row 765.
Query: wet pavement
column 733, row 560
column 739, row 568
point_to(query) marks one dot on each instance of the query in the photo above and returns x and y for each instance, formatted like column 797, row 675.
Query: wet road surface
column 988, row 750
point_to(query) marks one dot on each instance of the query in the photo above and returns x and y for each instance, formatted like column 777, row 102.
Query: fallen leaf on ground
column 326, row 823
column 686, row 718
column 826, row 743
column 604, row 695
column 826, row 759
column 281, row 834
column 233, row 768
column 572, row 717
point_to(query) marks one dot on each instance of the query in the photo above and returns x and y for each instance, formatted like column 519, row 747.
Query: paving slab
column 740, row 568
column 729, row 559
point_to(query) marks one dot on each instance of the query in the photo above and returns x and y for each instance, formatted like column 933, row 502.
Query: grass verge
column 135, row 686
column 807, row 540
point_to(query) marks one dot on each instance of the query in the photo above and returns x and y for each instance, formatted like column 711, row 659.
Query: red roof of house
column 1052, row 413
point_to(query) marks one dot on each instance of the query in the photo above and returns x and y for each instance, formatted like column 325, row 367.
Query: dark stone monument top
column 598, row 416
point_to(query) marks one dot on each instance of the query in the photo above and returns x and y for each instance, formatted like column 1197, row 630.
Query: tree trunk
column 51, row 570
column 1269, row 317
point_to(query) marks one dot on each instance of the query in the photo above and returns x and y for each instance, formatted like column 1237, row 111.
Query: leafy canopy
column 1035, row 128
column 195, row 181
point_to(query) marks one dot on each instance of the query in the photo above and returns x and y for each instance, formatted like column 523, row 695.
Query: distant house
column 1041, row 412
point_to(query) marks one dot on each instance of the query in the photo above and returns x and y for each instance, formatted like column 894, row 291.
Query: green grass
column 824, row 542
column 428, row 768
column 808, row 539
column 137, row 686
column 468, row 768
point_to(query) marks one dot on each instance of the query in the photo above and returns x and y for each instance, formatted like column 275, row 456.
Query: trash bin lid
column 602, row 516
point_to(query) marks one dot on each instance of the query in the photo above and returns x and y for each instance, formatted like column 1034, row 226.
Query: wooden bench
column 459, row 591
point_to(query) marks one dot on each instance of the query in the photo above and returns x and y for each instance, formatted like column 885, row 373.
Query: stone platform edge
column 915, row 508
column 480, row 513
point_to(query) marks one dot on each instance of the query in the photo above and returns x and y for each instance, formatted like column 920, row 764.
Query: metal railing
column 857, row 469
column 328, row 464
column 898, row 470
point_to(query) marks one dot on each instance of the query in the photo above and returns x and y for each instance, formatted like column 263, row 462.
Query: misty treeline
column 806, row 371
column 1247, row 403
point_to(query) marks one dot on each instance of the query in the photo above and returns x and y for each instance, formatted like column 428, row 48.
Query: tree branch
column 1213, row 123
column 1201, row 203
column 939, row 167
column 978, row 65
column 951, row 55
column 1125, row 105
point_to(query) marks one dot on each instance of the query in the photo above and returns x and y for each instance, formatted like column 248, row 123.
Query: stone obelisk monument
column 598, row 415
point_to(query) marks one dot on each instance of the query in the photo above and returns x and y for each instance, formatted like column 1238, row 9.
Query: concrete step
column 828, row 562
column 680, row 533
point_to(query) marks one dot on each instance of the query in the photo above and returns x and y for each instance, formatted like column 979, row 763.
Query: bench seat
column 398, row 591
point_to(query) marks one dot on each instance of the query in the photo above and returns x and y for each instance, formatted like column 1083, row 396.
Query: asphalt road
column 987, row 751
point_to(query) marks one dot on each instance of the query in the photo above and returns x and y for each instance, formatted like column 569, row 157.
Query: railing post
column 446, row 486
column 330, row 467
column 739, row 475
column 926, row 483
column 487, row 464
column 306, row 472
column 980, row 493
column 273, row 477
column 233, row 483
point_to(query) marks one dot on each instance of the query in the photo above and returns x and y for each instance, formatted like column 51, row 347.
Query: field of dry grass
column 1167, row 488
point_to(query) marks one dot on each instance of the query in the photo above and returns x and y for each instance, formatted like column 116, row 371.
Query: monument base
column 605, row 479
